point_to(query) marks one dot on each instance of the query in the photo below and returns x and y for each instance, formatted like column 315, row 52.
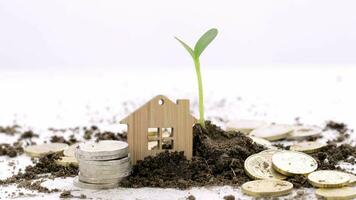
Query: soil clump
column 11, row 150
column 107, row 135
column 9, row 130
column 28, row 135
column 61, row 139
column 341, row 128
column 229, row 197
column 102, row 135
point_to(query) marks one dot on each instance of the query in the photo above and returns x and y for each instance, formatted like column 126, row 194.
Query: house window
column 160, row 139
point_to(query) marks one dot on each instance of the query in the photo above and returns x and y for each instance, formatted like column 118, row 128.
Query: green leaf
column 190, row 50
column 204, row 41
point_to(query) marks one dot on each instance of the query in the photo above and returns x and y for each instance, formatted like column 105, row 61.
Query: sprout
column 200, row 46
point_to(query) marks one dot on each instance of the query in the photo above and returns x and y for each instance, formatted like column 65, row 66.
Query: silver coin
column 93, row 158
column 99, row 172
column 102, row 150
column 106, row 176
column 92, row 186
column 100, row 179
column 107, row 162
column 103, row 170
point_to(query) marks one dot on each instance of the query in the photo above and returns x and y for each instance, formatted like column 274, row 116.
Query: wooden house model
column 160, row 125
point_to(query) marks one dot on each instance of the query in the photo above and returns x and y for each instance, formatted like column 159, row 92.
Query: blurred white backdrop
column 116, row 33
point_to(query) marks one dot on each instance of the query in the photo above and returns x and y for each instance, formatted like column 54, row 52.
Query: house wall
column 154, row 115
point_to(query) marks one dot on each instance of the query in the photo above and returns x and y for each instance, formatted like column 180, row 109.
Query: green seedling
column 199, row 47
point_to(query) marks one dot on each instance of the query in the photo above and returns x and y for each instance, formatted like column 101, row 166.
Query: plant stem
column 200, row 88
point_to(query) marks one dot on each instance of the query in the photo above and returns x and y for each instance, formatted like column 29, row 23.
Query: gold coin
column 337, row 193
column 259, row 166
column 262, row 142
column 328, row 178
column 267, row 188
column 272, row 132
column 70, row 151
column 66, row 161
column 303, row 131
column 292, row 163
column 244, row 126
column 352, row 180
column 45, row 149
column 307, row 147
column 270, row 151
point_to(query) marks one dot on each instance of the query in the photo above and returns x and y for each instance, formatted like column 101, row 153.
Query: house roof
column 156, row 98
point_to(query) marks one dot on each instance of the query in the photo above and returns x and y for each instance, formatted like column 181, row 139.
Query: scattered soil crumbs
column 11, row 150
column 61, row 139
column 28, row 134
column 9, row 130
column 299, row 181
column 191, row 197
column 45, row 165
column 229, row 197
column 341, row 128
column 88, row 132
column 67, row 194
column 105, row 135
column 35, row 185
column 218, row 159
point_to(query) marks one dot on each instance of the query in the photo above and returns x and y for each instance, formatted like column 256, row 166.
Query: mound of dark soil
column 218, row 159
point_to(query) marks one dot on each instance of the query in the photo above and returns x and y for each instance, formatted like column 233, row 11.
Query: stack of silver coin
column 102, row 164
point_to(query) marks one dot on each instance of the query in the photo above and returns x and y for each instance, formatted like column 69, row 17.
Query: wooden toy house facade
column 160, row 125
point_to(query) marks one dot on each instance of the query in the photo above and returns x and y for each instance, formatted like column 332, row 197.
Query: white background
column 82, row 33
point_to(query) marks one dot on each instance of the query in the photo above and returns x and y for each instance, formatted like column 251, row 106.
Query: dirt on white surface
column 66, row 98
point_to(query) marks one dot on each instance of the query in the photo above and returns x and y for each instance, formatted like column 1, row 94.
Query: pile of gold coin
column 271, row 167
